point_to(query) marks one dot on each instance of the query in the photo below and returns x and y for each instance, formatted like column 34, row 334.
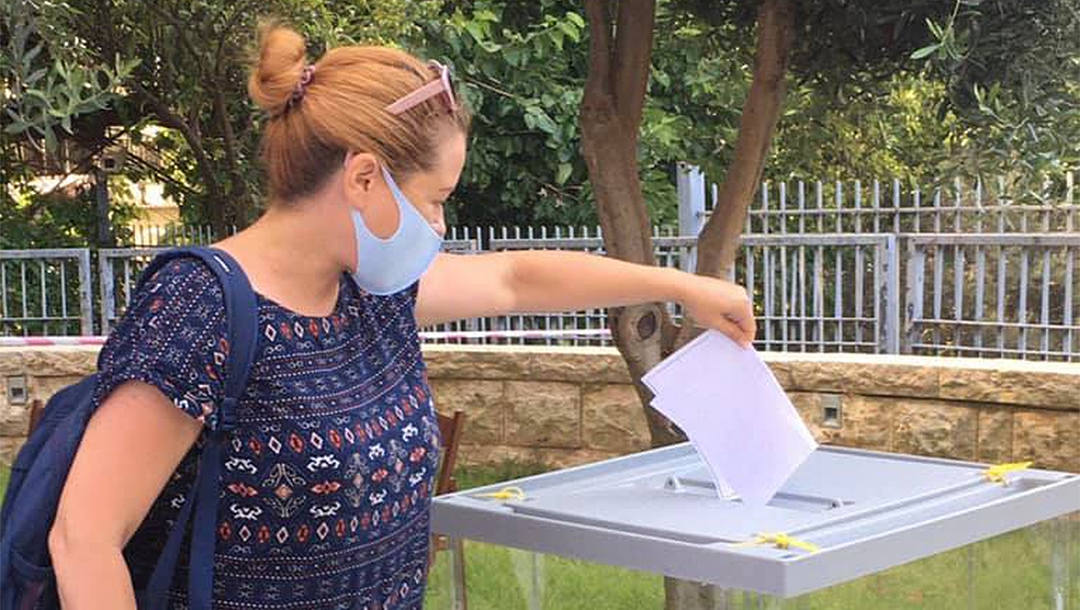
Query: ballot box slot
column 782, row 499
column 629, row 528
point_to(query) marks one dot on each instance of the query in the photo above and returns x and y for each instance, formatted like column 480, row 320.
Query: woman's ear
column 361, row 171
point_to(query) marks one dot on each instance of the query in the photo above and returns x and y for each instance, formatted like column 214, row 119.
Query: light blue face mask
column 386, row 266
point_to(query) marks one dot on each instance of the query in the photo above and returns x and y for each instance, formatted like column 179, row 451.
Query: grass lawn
column 1011, row 572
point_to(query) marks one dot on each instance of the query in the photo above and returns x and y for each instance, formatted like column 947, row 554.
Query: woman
column 336, row 442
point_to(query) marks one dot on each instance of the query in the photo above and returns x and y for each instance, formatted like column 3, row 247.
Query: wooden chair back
column 37, row 409
column 451, row 428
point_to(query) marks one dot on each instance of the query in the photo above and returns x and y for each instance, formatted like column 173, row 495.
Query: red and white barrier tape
column 595, row 334
column 49, row 341
column 601, row 333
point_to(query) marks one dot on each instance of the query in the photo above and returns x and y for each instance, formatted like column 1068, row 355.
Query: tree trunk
column 620, row 48
column 236, row 210
column 105, row 237
column 687, row 595
column 719, row 240
column 637, row 330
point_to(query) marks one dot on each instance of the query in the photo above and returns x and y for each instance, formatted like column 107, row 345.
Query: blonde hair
column 342, row 108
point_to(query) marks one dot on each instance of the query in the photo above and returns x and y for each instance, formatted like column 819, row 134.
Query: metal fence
column 805, row 298
column 668, row 249
column 119, row 270
column 45, row 292
column 993, row 294
column 876, row 206
column 832, row 267
column 1002, row 295
column 799, row 207
column 147, row 235
column 824, row 292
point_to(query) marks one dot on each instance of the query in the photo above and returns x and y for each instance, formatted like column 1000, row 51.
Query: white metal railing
column 993, row 295
column 45, row 291
column 876, row 206
column 832, row 266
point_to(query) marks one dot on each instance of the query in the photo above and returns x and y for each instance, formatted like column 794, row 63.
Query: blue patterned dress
column 327, row 481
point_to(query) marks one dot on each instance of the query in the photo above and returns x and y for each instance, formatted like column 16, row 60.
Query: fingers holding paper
column 720, row 305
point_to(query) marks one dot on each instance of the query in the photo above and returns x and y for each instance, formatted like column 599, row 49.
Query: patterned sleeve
column 174, row 337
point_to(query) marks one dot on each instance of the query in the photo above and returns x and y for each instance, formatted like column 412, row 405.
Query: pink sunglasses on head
column 439, row 86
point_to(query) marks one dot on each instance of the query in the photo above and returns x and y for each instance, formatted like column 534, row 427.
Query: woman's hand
column 719, row 305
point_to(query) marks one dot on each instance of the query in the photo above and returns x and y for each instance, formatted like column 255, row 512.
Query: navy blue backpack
column 40, row 470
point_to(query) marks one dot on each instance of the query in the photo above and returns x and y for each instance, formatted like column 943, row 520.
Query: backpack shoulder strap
column 241, row 313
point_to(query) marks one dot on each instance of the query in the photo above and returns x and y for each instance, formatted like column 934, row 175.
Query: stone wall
column 564, row 406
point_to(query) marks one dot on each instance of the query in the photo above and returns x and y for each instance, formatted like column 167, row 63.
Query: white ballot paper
column 735, row 413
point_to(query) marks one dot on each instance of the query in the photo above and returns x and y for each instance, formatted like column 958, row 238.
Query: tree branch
column 599, row 81
column 220, row 108
column 239, row 10
column 83, row 164
column 160, row 173
column 719, row 240
column 170, row 119
column 633, row 59
column 181, row 33
column 226, row 128
column 106, row 24
column 720, row 237
column 609, row 135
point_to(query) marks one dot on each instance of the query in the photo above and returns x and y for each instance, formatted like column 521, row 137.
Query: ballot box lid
column 859, row 511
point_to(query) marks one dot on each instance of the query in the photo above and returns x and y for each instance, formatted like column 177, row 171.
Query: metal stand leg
column 536, row 599
column 971, row 567
column 688, row 595
column 726, row 598
column 529, row 570
column 1061, row 535
column 456, row 552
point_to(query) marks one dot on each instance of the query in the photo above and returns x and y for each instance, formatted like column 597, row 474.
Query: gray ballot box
column 844, row 515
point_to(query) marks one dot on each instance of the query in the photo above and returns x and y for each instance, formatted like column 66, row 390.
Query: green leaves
column 572, row 31
column 63, row 67
column 563, row 174
column 926, row 51
column 876, row 89
column 536, row 118
column 49, row 90
column 522, row 73
column 1009, row 74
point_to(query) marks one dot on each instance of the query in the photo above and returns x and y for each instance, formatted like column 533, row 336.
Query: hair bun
column 279, row 67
